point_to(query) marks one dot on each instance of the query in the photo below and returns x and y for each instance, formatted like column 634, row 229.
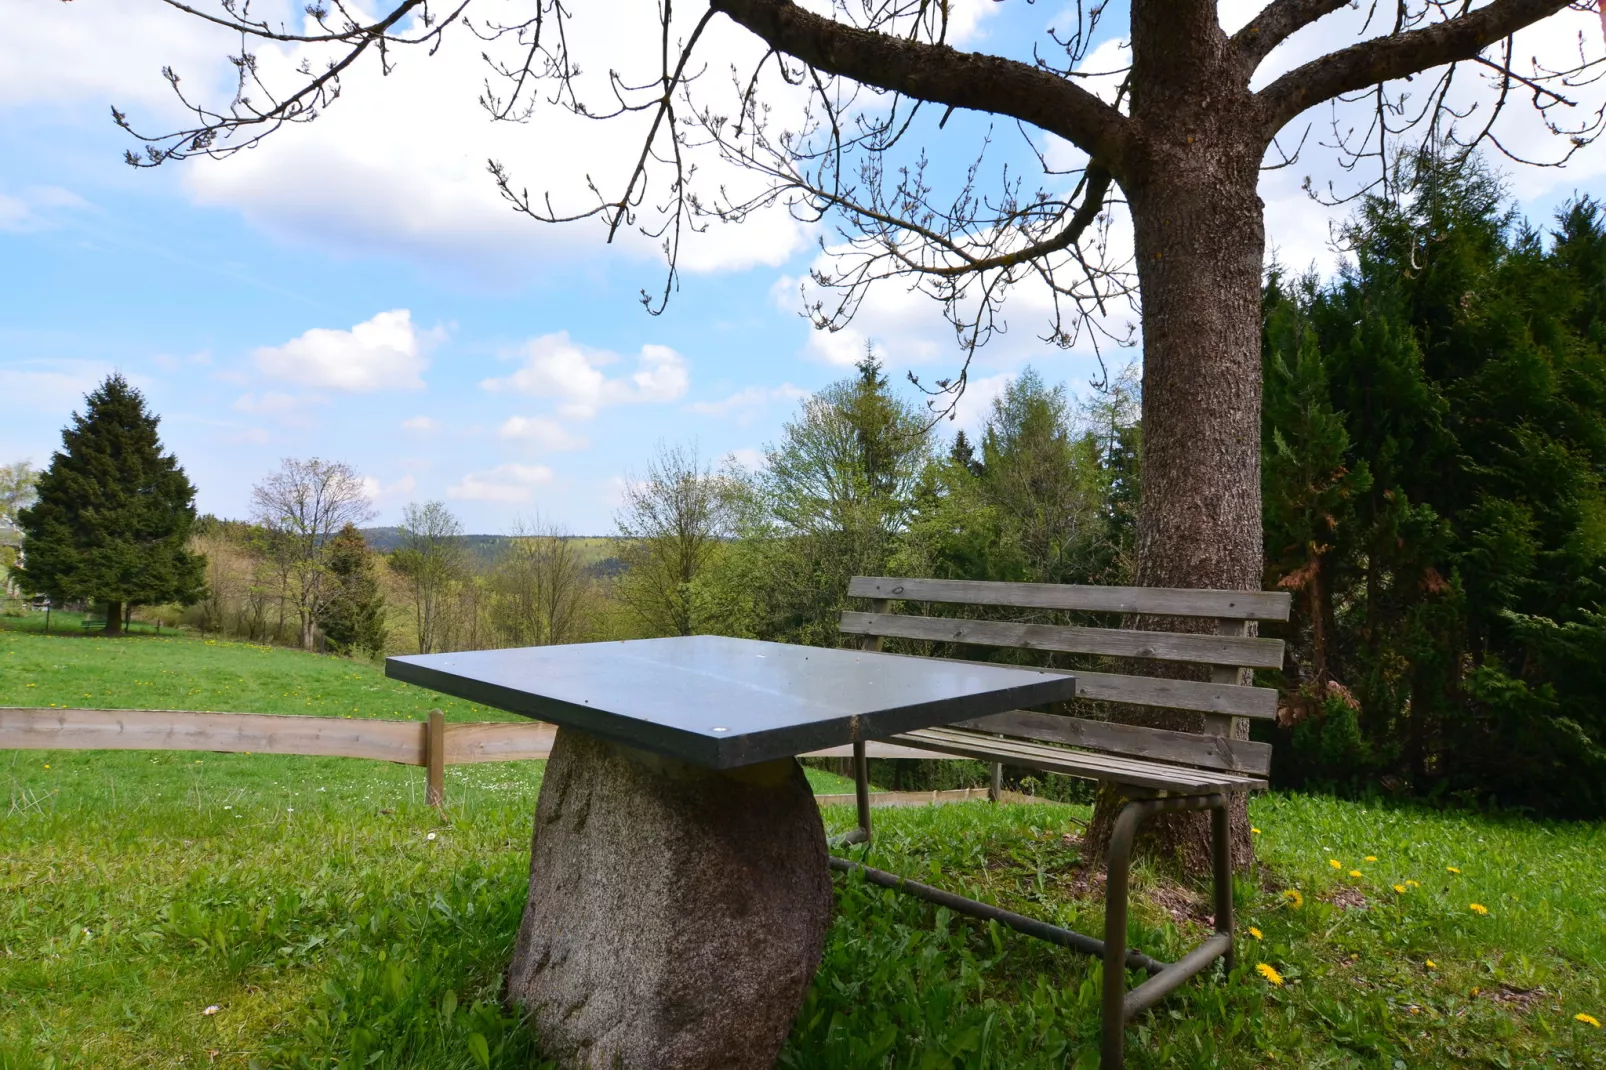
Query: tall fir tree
column 1435, row 434
column 113, row 515
column 354, row 619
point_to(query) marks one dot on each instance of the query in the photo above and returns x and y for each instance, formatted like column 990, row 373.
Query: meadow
column 197, row 909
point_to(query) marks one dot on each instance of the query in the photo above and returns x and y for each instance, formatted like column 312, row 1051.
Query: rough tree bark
column 114, row 618
column 1199, row 242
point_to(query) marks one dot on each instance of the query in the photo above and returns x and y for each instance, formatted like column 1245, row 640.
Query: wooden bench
column 1157, row 770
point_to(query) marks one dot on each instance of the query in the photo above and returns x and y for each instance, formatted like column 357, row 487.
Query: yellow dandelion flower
column 1256, row 933
column 1432, row 965
column 1295, row 899
column 1452, row 869
column 1400, row 888
column 1371, row 858
column 1587, row 1019
column 1251, row 827
column 1335, row 863
column 1477, row 908
column 1265, row 970
column 1355, row 873
column 1412, row 884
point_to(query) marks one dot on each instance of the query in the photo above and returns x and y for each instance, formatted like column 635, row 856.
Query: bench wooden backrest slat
column 1227, row 651
column 1158, row 601
column 1230, row 700
column 1116, row 642
column 1155, row 744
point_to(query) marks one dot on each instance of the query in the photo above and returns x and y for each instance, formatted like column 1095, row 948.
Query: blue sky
column 355, row 290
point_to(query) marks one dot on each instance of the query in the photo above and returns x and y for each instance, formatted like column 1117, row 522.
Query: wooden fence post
column 435, row 759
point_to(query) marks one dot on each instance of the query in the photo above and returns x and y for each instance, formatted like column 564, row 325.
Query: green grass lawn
column 334, row 920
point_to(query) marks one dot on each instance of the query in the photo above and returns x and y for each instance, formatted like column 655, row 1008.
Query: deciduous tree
column 672, row 521
column 302, row 506
column 431, row 558
column 541, row 592
column 844, row 108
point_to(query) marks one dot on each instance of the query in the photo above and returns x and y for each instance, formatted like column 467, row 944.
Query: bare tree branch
column 1384, row 59
column 1278, row 21
column 939, row 74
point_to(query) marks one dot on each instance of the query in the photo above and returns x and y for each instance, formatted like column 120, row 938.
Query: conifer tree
column 113, row 514
column 354, row 619
column 1436, row 495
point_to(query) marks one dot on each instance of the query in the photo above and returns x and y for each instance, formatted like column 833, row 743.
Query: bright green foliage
column 1435, row 494
column 832, row 502
column 113, row 513
column 1049, row 500
column 17, row 491
column 354, row 619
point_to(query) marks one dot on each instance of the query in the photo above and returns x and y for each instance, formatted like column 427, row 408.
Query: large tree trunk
column 1200, row 244
column 114, row 618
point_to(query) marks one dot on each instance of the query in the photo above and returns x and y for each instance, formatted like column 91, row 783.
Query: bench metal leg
column 861, row 792
column 1120, row 1006
column 1221, row 856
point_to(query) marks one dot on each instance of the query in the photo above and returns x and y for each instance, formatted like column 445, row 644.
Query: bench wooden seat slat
column 1159, row 601
column 1115, row 642
column 1153, row 744
column 1154, row 775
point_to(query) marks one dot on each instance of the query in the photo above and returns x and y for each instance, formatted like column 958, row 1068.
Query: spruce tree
column 113, row 514
column 354, row 619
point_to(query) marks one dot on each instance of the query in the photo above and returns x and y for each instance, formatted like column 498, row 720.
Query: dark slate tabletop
column 723, row 702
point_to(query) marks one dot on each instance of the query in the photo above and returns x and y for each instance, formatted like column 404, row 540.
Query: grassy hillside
column 334, row 920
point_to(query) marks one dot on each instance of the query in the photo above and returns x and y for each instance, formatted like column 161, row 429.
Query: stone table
column 679, row 881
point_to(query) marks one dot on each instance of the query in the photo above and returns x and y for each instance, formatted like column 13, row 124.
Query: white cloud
column 168, row 362
column 32, row 208
column 745, row 404
column 556, row 367
column 95, row 52
column 51, row 383
column 507, row 484
column 976, row 403
column 374, row 490
column 909, row 331
column 421, row 425
column 747, row 457
column 271, row 403
column 251, row 436
column 543, row 431
column 384, row 353
column 398, row 163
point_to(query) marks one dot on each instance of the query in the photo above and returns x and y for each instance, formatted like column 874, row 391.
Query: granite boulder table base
column 676, row 914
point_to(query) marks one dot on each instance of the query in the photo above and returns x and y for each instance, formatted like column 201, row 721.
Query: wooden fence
column 433, row 744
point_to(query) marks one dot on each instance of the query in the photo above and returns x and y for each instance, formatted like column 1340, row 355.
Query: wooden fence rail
column 433, row 744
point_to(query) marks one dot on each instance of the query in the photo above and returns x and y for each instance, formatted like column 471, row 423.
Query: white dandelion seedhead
column 431, row 836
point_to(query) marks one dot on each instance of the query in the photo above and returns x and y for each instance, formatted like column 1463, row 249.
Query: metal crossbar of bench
column 1159, row 770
